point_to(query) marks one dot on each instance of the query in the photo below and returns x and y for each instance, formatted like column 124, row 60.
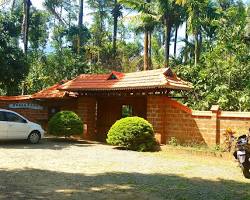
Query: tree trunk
column 80, row 23
column 167, row 41
column 200, row 39
column 186, row 39
column 175, row 40
column 25, row 25
column 115, row 16
column 13, row 5
column 150, row 51
column 146, row 50
column 196, row 51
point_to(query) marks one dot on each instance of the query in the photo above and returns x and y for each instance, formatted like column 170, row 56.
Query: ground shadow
column 46, row 143
column 42, row 184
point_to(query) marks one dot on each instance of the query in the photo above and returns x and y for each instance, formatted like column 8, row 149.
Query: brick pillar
column 156, row 116
column 86, row 109
column 215, row 125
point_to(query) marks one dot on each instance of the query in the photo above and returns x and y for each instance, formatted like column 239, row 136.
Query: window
column 127, row 111
column 11, row 117
column 112, row 77
column 2, row 118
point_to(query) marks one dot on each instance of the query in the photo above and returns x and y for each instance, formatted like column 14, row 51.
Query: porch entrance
column 110, row 109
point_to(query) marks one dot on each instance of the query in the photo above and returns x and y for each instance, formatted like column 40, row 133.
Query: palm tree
column 179, row 16
column 196, row 14
column 248, row 25
column 26, row 23
column 172, row 16
column 80, row 26
column 146, row 21
column 116, row 13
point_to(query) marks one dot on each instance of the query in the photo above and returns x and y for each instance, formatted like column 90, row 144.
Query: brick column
column 215, row 139
column 156, row 116
column 86, row 109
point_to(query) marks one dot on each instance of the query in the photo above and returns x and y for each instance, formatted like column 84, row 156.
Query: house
column 101, row 99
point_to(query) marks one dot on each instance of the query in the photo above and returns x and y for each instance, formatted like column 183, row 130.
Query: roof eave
column 187, row 88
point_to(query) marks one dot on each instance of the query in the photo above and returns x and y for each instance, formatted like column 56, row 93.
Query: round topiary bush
column 134, row 133
column 65, row 123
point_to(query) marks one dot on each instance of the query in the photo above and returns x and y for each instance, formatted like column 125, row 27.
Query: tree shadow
column 46, row 143
column 43, row 184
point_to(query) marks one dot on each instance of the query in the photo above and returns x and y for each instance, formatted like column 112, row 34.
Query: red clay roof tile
column 151, row 79
column 15, row 98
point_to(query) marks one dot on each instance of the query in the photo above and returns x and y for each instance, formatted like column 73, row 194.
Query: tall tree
column 171, row 15
column 146, row 21
column 80, row 25
column 196, row 14
column 116, row 13
column 14, row 66
column 26, row 23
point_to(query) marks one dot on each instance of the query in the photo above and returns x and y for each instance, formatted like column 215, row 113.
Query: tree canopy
column 206, row 42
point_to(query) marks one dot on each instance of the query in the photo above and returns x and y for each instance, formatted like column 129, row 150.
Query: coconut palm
column 116, row 13
column 146, row 21
column 196, row 15
column 26, row 23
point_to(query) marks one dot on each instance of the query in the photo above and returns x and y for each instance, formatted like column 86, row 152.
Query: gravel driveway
column 56, row 169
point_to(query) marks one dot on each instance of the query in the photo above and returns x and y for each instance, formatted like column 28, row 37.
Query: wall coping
column 202, row 113
column 178, row 105
column 215, row 108
column 231, row 114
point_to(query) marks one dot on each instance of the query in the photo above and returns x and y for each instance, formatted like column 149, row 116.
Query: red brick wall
column 168, row 117
column 172, row 119
column 37, row 116
column 237, row 121
column 156, row 116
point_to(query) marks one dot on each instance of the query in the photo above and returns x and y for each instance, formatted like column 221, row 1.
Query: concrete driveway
column 59, row 169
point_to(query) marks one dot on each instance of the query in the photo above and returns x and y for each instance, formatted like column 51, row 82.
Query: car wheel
column 34, row 137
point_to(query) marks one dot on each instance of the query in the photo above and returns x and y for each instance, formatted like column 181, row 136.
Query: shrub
column 173, row 141
column 134, row 133
column 65, row 123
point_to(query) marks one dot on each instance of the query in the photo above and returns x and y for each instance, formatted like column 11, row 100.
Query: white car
column 13, row 126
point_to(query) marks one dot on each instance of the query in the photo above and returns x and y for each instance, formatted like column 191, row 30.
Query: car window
column 11, row 117
column 2, row 117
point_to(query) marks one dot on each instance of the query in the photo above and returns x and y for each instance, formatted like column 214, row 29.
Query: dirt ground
column 84, row 170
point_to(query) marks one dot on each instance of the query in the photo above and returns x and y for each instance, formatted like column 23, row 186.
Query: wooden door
column 108, row 111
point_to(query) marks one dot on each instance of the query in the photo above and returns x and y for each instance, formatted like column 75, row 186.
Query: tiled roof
column 15, row 98
column 151, row 79
column 52, row 92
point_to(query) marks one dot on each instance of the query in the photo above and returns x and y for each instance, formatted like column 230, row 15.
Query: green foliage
column 215, row 56
column 38, row 34
column 14, row 66
column 65, row 123
column 134, row 133
column 223, row 75
column 173, row 141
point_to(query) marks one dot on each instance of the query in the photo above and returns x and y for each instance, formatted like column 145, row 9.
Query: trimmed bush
column 65, row 123
column 134, row 133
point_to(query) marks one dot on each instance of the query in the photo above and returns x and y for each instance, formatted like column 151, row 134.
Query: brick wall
column 172, row 119
column 37, row 116
column 86, row 109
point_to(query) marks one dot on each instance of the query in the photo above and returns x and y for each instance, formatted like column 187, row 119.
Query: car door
column 3, row 126
column 17, row 126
